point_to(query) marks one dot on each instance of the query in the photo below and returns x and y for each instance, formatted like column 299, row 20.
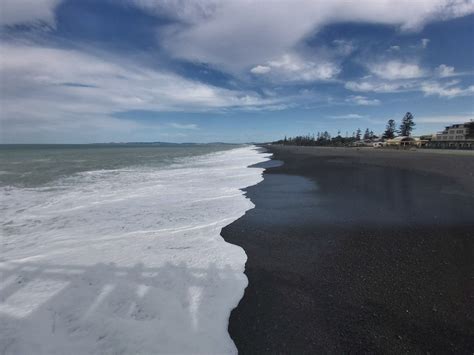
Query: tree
column 326, row 136
column 407, row 125
column 358, row 134
column 366, row 134
column 389, row 130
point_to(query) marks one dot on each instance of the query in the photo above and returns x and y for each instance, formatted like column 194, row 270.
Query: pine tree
column 389, row 130
column 407, row 125
column 366, row 134
column 358, row 134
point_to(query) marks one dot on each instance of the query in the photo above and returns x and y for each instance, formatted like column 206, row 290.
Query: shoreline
column 348, row 251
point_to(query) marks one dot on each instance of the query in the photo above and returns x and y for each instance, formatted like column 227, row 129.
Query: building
column 402, row 141
column 456, row 136
column 422, row 141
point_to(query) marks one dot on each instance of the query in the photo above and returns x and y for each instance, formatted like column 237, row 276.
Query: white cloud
column 446, row 119
column 14, row 12
column 191, row 126
column 379, row 86
column 216, row 31
column 65, row 90
column 362, row 100
column 107, row 84
column 393, row 70
column 448, row 90
column 445, row 71
column 260, row 69
column 394, row 48
column 444, row 89
column 291, row 67
column 424, row 42
column 348, row 116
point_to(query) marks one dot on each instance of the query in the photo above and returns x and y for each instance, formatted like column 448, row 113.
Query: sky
column 83, row 71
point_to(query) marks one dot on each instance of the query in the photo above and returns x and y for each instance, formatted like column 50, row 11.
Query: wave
column 126, row 260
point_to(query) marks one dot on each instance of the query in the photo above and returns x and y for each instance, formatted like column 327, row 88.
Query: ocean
column 117, row 248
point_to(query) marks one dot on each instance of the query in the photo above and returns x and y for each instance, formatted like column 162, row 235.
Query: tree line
column 324, row 138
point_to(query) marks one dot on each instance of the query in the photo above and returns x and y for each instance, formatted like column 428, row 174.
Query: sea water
column 117, row 249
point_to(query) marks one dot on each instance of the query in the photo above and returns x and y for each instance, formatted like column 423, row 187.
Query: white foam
column 138, row 256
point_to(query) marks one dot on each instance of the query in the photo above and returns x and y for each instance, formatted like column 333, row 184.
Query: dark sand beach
column 358, row 251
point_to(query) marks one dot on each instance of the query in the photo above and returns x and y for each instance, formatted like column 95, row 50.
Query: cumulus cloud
column 109, row 84
column 213, row 31
column 448, row 90
column 66, row 89
column 260, row 69
column 438, row 88
column 394, row 69
column 379, row 86
column 292, row 68
column 362, row 100
column 445, row 71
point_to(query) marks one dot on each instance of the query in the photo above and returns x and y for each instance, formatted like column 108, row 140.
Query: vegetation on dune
column 325, row 139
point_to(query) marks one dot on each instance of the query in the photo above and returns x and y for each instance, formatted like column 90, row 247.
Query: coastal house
column 400, row 142
column 422, row 141
column 457, row 136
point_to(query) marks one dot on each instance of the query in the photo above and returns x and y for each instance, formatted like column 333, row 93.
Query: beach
column 357, row 250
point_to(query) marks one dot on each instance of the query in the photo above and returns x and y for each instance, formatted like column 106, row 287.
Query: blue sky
column 81, row 71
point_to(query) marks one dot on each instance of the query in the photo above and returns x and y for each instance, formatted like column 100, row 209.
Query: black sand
column 358, row 251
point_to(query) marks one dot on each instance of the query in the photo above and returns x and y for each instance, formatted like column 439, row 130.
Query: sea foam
column 126, row 260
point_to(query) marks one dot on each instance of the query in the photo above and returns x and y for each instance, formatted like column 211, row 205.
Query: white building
column 455, row 136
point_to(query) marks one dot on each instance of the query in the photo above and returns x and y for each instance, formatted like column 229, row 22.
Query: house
column 457, row 136
column 422, row 141
column 402, row 141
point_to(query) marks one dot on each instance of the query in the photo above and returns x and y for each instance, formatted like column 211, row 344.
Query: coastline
column 355, row 250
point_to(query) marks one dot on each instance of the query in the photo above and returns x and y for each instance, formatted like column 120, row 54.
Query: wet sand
column 358, row 250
